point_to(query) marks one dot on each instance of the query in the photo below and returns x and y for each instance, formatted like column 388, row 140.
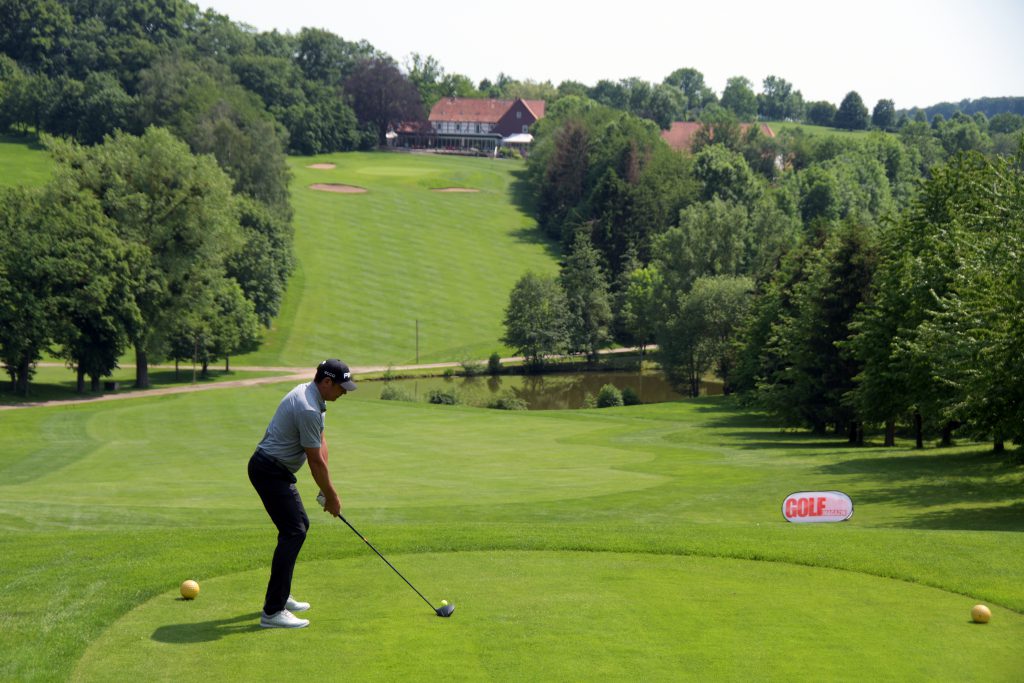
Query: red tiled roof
column 680, row 135
column 537, row 107
column 473, row 110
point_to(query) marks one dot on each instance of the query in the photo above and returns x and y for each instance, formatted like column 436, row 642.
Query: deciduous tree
column 535, row 319
column 382, row 97
column 883, row 116
column 739, row 98
column 852, row 114
column 176, row 208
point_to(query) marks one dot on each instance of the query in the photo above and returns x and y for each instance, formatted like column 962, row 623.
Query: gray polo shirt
column 298, row 423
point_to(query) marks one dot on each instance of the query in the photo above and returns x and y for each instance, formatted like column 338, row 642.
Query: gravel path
column 286, row 374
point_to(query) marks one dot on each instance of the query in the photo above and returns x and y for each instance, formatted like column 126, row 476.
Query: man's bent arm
column 317, row 460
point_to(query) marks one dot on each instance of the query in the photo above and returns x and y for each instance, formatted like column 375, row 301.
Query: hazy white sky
column 915, row 52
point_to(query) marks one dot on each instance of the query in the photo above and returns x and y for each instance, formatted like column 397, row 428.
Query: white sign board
column 817, row 506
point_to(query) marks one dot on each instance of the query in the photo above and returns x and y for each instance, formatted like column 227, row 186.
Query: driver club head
column 445, row 610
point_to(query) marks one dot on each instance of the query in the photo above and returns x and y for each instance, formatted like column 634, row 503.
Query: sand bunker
column 334, row 187
column 455, row 189
column 321, row 167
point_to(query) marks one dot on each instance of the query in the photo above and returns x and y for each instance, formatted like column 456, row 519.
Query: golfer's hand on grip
column 332, row 505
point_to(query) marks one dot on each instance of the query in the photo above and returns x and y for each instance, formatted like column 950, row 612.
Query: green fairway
column 399, row 267
column 625, row 544
column 371, row 265
column 564, row 616
column 23, row 161
column 819, row 131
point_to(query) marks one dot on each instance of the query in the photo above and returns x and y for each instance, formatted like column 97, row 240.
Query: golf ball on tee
column 444, row 603
column 981, row 614
column 189, row 589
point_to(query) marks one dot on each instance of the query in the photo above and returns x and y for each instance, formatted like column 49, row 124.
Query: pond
column 554, row 391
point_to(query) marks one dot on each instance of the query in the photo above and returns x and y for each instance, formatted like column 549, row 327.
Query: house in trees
column 470, row 125
column 681, row 135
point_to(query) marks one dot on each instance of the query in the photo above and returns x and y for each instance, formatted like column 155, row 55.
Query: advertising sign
column 817, row 506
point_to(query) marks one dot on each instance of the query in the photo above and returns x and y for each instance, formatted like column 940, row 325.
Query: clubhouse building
column 474, row 126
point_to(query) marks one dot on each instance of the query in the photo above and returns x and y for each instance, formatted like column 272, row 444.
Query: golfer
column 295, row 435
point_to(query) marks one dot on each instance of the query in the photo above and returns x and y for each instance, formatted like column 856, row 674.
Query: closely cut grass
column 818, row 131
column 564, row 616
column 653, row 532
column 23, row 161
column 371, row 265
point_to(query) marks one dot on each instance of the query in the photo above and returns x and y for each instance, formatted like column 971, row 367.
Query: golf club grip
column 347, row 523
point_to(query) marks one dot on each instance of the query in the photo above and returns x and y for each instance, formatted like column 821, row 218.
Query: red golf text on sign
column 817, row 506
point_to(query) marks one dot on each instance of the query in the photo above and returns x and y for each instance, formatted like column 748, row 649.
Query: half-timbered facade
column 476, row 125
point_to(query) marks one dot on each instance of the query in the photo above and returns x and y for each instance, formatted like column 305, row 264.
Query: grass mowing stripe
column 402, row 253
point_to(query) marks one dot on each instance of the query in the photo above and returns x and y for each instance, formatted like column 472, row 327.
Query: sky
column 914, row 52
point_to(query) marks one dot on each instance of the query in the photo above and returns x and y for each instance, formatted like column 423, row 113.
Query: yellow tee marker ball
column 980, row 614
column 189, row 589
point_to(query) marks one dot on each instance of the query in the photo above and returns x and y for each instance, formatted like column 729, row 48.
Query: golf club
column 442, row 611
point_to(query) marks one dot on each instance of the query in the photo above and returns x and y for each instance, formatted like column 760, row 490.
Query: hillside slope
column 372, row 264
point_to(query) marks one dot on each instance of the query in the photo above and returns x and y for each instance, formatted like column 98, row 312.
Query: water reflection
column 556, row 391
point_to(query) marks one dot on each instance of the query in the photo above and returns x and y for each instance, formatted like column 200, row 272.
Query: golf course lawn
column 639, row 543
column 372, row 266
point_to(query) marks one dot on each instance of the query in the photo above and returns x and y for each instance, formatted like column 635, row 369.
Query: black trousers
column 276, row 486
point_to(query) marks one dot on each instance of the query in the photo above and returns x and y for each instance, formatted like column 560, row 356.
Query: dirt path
column 293, row 374
column 287, row 373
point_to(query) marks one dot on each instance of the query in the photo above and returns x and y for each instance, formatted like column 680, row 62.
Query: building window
column 526, row 129
column 519, row 114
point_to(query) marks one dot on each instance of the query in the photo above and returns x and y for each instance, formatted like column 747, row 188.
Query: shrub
column 589, row 401
column 630, row 397
column 472, row 368
column 609, row 396
column 445, row 397
column 394, row 392
column 494, row 364
column 508, row 403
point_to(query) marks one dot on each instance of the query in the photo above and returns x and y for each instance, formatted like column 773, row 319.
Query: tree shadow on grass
column 754, row 430
column 955, row 489
column 207, row 631
column 30, row 140
column 979, row 489
column 790, row 441
column 989, row 518
column 521, row 193
column 521, row 196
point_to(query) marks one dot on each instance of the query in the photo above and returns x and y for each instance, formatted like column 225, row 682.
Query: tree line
column 715, row 255
column 838, row 283
column 134, row 244
column 85, row 69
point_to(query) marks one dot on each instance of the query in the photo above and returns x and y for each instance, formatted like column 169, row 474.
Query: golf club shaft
column 342, row 518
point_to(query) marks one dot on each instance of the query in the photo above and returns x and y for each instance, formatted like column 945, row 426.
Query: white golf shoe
column 294, row 605
column 283, row 619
